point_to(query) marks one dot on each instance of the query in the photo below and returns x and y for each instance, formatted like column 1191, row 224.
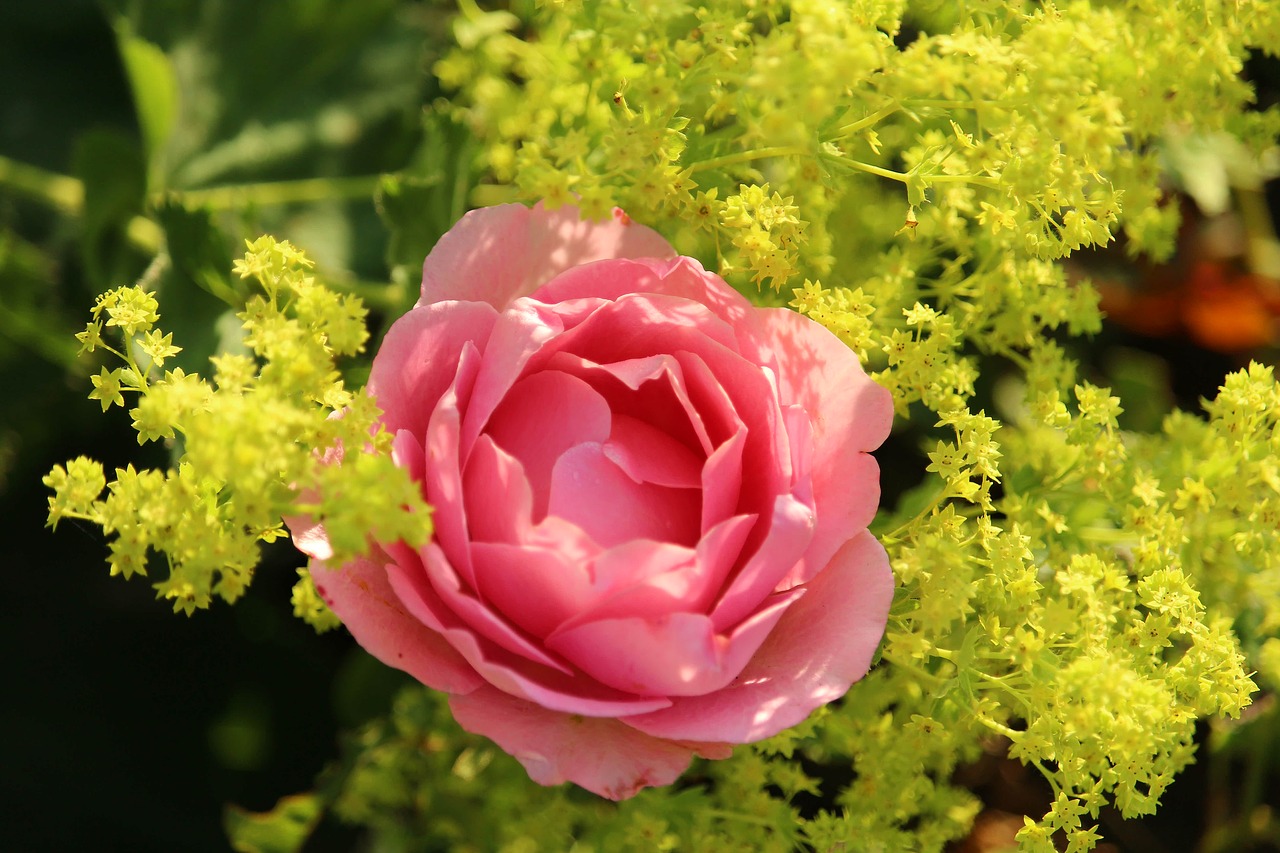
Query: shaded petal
column 722, row 481
column 496, row 493
column 511, row 673
column 822, row 644
column 650, row 389
column 541, row 417
column 602, row 755
column 418, row 360
column 789, row 534
column 649, row 579
column 498, row 254
column 442, row 475
column 519, row 332
column 479, row 617
column 674, row 654
column 360, row 594
column 649, row 455
column 744, row 394
column 588, row 489
column 536, row 588
column 848, row 413
column 682, row 277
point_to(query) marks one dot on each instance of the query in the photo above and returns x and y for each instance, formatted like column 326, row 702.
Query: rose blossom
column 650, row 503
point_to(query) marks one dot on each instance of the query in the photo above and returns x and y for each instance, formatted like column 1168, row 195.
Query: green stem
column 67, row 195
column 919, row 671
column 272, row 193
column 860, row 166
column 943, row 103
column 60, row 191
column 937, row 501
column 1105, row 535
column 905, row 177
column 376, row 294
column 739, row 816
column 874, row 118
column 748, row 156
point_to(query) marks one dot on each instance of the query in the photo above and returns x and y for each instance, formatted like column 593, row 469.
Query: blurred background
column 126, row 727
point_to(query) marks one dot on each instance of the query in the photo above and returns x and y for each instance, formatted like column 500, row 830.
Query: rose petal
column 496, row 493
column 848, row 413
column 789, row 533
column 721, row 381
column 722, row 481
column 418, row 360
column 443, row 475
column 511, row 673
column 602, row 755
column 407, row 452
column 650, row 389
column 472, row 613
column 621, row 569
column 681, row 277
column 674, row 654
column 361, row 596
column 648, row 455
column 647, row 579
column 498, row 254
column 541, row 417
column 518, row 333
column 822, row 644
column 645, row 324
column 541, row 582
column 588, row 489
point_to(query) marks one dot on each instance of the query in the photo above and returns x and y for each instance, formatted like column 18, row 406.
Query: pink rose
column 651, row 500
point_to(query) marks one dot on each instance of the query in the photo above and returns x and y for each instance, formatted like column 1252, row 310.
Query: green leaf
column 422, row 202
column 195, row 288
column 155, row 95
column 284, row 829
column 110, row 165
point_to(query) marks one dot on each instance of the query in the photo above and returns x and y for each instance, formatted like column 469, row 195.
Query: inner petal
column 496, row 492
column 649, row 455
column 651, row 389
column 590, row 490
column 541, row 417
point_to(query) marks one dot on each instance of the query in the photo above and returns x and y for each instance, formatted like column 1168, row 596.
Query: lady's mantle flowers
column 651, row 501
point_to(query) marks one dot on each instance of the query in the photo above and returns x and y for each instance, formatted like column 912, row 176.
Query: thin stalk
column 60, row 191
column 271, row 193
column 748, row 156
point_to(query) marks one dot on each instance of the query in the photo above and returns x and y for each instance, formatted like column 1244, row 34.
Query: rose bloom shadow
column 650, row 503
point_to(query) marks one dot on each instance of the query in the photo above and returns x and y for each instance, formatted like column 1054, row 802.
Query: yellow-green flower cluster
column 252, row 441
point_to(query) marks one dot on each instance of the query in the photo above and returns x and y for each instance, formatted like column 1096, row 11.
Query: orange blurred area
column 1216, row 306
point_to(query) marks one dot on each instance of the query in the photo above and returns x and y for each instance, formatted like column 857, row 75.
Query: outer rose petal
column 498, row 254
column 602, row 755
column 362, row 597
column 418, row 359
column 848, row 412
column 822, row 644
column 683, row 277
